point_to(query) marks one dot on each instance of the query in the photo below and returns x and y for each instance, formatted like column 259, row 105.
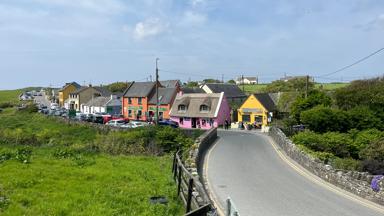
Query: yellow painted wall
column 253, row 103
column 64, row 94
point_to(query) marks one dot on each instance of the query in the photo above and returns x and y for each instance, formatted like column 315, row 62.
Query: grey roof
column 230, row 90
column 170, row 83
column 266, row 101
column 189, row 90
column 103, row 91
column 139, row 89
column 193, row 103
column 166, row 96
column 77, row 86
column 98, row 101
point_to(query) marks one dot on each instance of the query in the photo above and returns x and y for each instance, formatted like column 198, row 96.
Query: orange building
column 139, row 101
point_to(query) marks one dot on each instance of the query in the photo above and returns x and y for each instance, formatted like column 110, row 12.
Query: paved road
column 246, row 167
column 42, row 100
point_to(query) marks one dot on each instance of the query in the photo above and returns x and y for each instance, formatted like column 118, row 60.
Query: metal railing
column 191, row 190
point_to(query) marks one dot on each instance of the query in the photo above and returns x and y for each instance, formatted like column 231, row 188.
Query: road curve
column 246, row 167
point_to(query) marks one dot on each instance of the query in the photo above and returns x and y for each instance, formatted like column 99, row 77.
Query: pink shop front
column 200, row 110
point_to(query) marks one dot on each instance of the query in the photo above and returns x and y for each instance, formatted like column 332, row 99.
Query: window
column 160, row 115
column 182, row 107
column 204, row 108
column 129, row 100
column 181, row 121
column 129, row 113
column 139, row 113
column 139, row 100
column 258, row 119
column 246, row 118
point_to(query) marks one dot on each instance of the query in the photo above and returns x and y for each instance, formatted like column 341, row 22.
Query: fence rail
column 191, row 190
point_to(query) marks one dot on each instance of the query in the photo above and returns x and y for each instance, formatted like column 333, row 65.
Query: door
column 193, row 122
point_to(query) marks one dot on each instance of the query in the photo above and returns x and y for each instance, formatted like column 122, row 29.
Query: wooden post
column 174, row 162
column 174, row 174
column 179, row 181
column 189, row 197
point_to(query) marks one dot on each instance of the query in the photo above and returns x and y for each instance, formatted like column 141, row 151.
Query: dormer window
column 182, row 108
column 204, row 108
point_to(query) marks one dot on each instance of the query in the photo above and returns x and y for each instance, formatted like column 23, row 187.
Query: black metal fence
column 191, row 190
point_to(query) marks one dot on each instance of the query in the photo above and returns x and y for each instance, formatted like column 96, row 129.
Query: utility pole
column 157, row 92
column 222, row 78
column 306, row 86
column 242, row 81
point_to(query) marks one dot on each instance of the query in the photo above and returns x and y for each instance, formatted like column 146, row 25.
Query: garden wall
column 358, row 183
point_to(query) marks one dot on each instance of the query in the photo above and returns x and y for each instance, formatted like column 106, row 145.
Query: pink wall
column 224, row 113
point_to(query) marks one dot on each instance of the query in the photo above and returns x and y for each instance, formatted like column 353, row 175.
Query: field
column 261, row 87
column 9, row 96
column 50, row 168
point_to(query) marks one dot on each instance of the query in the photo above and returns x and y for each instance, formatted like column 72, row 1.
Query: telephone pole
column 306, row 86
column 242, row 81
column 157, row 92
column 222, row 78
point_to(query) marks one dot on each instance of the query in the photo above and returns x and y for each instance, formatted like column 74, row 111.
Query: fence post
column 229, row 206
column 175, row 173
column 174, row 162
column 179, row 181
column 189, row 198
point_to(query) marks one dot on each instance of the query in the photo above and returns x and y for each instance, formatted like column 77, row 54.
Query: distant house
column 110, row 105
column 81, row 96
column 204, row 111
column 65, row 91
column 258, row 109
column 246, row 80
column 139, row 101
column 232, row 92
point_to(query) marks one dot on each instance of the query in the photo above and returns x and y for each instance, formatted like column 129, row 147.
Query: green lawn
column 331, row 86
column 258, row 88
column 10, row 96
column 97, row 185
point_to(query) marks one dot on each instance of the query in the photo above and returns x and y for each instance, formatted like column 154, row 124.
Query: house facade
column 81, row 96
column 139, row 101
column 110, row 105
column 65, row 91
column 200, row 110
column 257, row 109
column 246, row 80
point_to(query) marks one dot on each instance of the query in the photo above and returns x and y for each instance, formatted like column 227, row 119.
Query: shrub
column 374, row 167
column 23, row 155
column 5, row 155
column 364, row 118
column 346, row 164
column 374, row 151
column 310, row 140
column 6, row 105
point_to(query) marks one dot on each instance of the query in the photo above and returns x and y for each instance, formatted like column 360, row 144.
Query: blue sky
column 45, row 42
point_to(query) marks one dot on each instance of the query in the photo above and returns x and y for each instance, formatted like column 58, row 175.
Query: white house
column 111, row 105
column 246, row 80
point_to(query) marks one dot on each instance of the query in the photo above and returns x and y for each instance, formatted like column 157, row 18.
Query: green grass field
column 10, row 96
column 261, row 87
column 46, row 169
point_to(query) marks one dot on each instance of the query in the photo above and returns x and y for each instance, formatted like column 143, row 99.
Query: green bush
column 5, row 155
column 23, row 155
column 346, row 164
column 5, row 105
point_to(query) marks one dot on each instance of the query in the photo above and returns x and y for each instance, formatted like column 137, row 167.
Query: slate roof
column 230, row 90
column 189, row 90
column 166, row 96
column 266, row 101
column 193, row 103
column 170, row 83
column 77, row 86
column 103, row 91
column 98, row 102
column 139, row 89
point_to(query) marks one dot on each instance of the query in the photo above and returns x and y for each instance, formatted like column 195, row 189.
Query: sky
column 50, row 42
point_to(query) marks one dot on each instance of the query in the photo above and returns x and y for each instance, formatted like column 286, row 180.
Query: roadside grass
column 330, row 86
column 104, row 185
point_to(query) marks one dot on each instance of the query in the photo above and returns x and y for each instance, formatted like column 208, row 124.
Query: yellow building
column 258, row 109
column 66, row 90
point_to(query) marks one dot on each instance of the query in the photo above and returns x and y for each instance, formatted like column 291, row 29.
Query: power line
column 353, row 64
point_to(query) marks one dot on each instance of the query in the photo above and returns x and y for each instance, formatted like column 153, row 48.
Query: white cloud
column 195, row 3
column 98, row 6
column 148, row 28
column 193, row 18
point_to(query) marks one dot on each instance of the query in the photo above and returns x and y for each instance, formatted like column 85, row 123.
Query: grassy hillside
column 50, row 168
column 10, row 96
column 261, row 87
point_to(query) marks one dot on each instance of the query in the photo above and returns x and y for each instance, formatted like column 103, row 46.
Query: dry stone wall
column 358, row 183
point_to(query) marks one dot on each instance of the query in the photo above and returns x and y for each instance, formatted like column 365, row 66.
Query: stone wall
column 358, row 183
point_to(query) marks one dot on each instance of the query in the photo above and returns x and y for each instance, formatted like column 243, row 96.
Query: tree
column 296, row 84
column 192, row 84
column 324, row 119
column 315, row 98
column 117, row 87
column 364, row 118
column 231, row 81
column 211, row 81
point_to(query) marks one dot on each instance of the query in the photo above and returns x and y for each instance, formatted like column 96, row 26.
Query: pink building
column 200, row 110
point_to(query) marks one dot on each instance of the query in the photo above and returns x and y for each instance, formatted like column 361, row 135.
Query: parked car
column 136, row 124
column 98, row 119
column 54, row 106
column 170, row 123
column 80, row 117
column 89, row 117
column 116, row 123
